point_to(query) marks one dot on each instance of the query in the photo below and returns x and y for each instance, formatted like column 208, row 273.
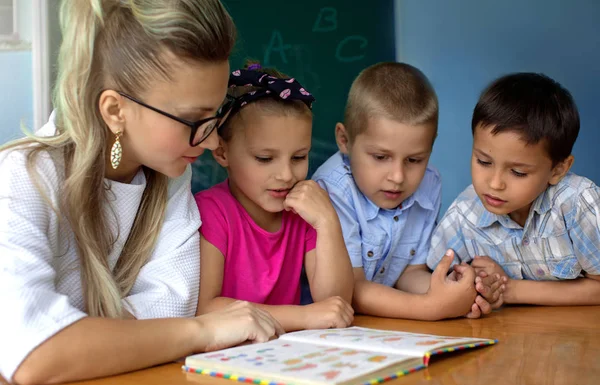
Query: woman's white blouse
column 40, row 286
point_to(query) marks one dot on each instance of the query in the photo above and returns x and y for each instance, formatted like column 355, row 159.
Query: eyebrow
column 513, row 164
column 384, row 150
column 187, row 110
column 275, row 150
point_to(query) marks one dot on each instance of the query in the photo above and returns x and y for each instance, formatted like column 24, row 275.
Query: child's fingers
column 464, row 271
column 496, row 286
column 474, row 313
column 348, row 318
column 460, row 269
column 482, row 289
column 468, row 275
column 491, row 279
column 480, row 262
column 443, row 267
column 484, row 305
column 498, row 302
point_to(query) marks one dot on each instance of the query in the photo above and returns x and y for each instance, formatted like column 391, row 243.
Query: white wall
column 24, row 19
column 16, row 92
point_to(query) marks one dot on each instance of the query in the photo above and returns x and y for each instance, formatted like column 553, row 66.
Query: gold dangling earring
column 116, row 152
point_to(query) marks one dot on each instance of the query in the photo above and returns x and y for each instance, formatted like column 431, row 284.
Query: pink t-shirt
column 260, row 266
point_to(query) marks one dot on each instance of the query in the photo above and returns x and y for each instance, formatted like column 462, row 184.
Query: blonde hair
column 396, row 91
column 117, row 44
column 268, row 105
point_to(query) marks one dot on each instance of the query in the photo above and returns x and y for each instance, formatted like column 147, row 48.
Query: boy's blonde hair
column 396, row 91
column 121, row 45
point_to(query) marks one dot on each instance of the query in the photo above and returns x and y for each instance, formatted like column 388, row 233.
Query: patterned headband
column 268, row 86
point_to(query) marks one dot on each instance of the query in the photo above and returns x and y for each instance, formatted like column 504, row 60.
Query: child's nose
column 286, row 173
column 397, row 174
column 497, row 181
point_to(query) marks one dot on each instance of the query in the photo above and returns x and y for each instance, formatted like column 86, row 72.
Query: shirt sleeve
column 32, row 309
column 448, row 235
column 167, row 286
column 430, row 222
column 585, row 231
column 214, row 223
column 348, row 219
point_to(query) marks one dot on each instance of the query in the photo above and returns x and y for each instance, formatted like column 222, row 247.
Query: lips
column 392, row 194
column 493, row 201
column 190, row 159
column 279, row 193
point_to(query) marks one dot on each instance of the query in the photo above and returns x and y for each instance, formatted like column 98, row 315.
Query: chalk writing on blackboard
column 351, row 41
column 276, row 44
column 329, row 15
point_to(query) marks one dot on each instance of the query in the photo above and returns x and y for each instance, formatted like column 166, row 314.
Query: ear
column 342, row 139
column 561, row 169
column 110, row 105
column 221, row 153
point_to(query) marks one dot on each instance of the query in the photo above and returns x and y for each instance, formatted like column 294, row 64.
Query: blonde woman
column 99, row 230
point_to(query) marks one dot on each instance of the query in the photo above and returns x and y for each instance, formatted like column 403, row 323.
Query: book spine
column 456, row 348
column 401, row 373
column 248, row 380
column 232, row 377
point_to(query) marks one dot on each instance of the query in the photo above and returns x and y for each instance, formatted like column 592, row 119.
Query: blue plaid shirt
column 560, row 240
column 382, row 242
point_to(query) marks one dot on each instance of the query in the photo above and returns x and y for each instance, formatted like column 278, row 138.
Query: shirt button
column 369, row 253
column 412, row 252
column 347, row 168
column 382, row 270
column 396, row 218
column 526, row 241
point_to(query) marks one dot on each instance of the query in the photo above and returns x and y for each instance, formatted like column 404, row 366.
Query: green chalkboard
column 323, row 44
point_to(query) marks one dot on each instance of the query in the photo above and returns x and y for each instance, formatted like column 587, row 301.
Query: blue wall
column 16, row 94
column 462, row 45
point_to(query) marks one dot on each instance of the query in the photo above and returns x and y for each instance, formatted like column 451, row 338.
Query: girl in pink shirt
column 266, row 221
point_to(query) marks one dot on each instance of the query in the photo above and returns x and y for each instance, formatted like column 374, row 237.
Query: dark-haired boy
column 526, row 216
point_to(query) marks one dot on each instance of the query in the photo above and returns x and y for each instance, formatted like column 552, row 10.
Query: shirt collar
column 486, row 218
column 543, row 203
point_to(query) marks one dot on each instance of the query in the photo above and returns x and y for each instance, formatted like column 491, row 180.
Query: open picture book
column 353, row 355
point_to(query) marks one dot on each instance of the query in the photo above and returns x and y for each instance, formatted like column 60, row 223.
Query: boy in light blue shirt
column 526, row 216
column 388, row 199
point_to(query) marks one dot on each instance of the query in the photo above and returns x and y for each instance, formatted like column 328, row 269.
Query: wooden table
column 537, row 345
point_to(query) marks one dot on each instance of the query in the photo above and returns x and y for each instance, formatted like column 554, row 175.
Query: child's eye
column 518, row 174
column 263, row 159
column 299, row 158
column 380, row 157
column 483, row 163
column 414, row 160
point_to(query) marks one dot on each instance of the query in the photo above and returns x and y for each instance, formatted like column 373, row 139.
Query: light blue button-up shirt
column 382, row 242
column 560, row 239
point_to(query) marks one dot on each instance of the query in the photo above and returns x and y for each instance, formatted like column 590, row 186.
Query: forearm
column 379, row 300
column 291, row 317
column 416, row 281
column 332, row 273
column 96, row 347
column 581, row 291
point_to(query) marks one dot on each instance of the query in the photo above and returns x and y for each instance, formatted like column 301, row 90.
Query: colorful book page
column 383, row 341
column 290, row 361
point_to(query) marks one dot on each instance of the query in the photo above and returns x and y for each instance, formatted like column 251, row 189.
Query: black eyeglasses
column 202, row 128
